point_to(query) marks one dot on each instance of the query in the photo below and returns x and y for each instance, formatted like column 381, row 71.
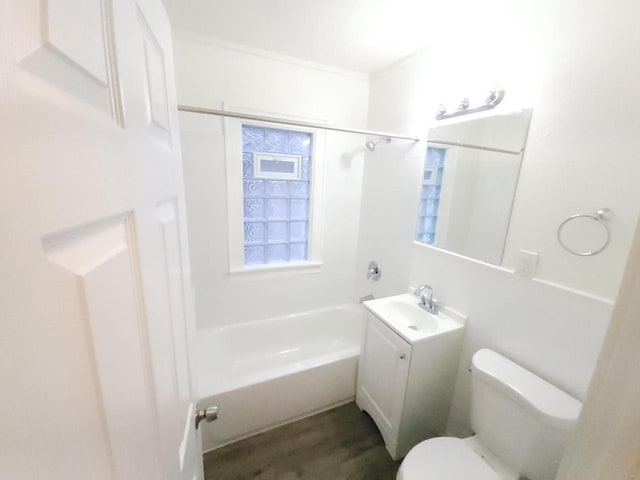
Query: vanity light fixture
column 493, row 99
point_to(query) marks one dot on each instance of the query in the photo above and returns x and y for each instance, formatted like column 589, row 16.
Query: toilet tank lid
column 524, row 386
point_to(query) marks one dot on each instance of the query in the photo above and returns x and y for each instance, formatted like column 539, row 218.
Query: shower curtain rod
column 478, row 147
column 296, row 123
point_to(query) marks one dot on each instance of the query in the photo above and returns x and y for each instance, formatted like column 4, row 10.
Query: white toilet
column 521, row 422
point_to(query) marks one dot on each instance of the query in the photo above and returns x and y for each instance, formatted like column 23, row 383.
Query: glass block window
column 430, row 195
column 276, row 167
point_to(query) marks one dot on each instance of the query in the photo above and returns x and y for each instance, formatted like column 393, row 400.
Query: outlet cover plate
column 526, row 263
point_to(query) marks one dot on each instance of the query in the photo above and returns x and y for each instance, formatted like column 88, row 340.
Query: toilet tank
column 521, row 418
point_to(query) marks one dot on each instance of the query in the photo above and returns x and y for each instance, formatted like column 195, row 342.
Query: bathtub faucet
column 366, row 298
column 426, row 300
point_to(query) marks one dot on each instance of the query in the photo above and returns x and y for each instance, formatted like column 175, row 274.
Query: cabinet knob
column 402, row 356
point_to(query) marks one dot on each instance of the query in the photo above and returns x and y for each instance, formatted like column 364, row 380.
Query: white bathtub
column 270, row 372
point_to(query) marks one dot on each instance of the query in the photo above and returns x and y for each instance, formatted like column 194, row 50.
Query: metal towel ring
column 600, row 216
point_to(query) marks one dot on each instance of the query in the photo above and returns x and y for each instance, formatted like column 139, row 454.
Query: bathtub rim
column 207, row 389
column 353, row 307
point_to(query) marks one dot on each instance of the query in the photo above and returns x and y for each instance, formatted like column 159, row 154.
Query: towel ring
column 600, row 216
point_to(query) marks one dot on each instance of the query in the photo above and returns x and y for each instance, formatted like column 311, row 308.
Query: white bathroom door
column 95, row 296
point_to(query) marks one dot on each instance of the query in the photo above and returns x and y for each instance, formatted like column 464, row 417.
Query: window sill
column 277, row 269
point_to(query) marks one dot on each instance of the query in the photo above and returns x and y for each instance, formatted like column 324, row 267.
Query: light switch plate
column 526, row 263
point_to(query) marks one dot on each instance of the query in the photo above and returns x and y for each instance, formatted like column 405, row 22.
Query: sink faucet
column 426, row 300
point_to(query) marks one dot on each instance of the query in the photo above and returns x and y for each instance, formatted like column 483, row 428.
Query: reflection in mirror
column 469, row 181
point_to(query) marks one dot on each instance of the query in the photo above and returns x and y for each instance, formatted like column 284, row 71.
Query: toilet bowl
column 522, row 425
column 447, row 458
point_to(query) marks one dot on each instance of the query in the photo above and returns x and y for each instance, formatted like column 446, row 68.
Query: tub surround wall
column 210, row 74
column 580, row 156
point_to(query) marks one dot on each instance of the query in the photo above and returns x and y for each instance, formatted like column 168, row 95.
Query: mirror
column 469, row 182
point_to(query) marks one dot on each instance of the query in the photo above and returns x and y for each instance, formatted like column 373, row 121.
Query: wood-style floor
column 341, row 444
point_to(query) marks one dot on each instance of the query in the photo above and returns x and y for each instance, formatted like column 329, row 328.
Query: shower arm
column 296, row 123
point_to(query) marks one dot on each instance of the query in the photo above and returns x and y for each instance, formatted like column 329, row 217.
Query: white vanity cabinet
column 405, row 382
column 382, row 378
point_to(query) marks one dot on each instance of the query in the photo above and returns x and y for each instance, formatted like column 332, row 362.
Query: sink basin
column 412, row 316
column 402, row 314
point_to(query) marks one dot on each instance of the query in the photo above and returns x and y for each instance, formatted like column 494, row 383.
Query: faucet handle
column 374, row 272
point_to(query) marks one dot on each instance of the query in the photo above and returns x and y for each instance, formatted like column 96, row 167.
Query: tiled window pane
column 435, row 157
column 277, row 232
column 254, row 255
column 298, row 209
column 252, row 139
column 277, row 188
column 427, row 224
column 253, row 232
column 427, row 238
column 306, row 168
column 277, row 253
column 276, row 141
column 430, row 207
column 431, row 191
column 299, row 189
column 298, row 231
column 298, row 252
column 254, row 188
column 300, row 143
column 277, row 209
column 247, row 165
column 254, row 208
column 430, row 196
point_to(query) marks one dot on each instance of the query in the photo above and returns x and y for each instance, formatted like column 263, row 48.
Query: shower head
column 371, row 146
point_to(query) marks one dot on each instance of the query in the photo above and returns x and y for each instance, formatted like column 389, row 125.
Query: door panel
column 84, row 44
column 157, row 101
column 100, row 259
column 95, row 286
column 74, row 50
column 173, row 266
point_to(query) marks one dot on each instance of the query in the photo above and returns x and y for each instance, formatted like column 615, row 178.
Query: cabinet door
column 383, row 375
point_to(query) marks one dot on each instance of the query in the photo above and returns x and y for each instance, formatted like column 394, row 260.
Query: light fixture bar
column 494, row 98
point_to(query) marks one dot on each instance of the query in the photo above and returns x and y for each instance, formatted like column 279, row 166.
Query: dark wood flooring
column 341, row 444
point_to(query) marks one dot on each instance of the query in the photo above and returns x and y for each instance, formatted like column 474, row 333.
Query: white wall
column 553, row 332
column 392, row 177
column 573, row 63
column 210, row 74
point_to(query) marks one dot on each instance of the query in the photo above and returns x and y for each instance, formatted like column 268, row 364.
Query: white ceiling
column 360, row 35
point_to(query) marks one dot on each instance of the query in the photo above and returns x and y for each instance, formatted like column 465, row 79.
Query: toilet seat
column 445, row 458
